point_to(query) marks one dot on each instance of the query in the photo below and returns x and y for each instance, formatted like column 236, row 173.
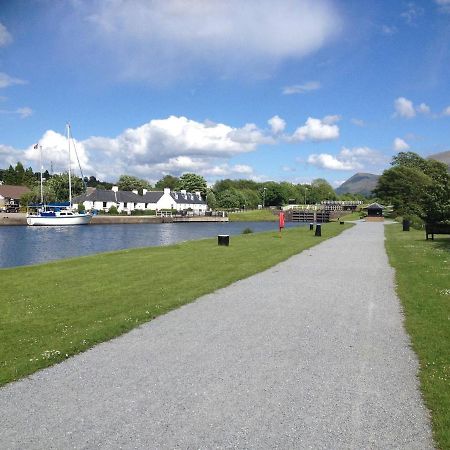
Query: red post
column 281, row 220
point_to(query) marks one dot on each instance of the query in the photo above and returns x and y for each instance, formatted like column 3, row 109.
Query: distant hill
column 442, row 157
column 360, row 183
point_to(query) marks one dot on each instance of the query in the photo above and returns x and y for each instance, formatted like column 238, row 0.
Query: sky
column 282, row 90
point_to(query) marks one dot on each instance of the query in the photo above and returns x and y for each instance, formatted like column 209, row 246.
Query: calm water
column 22, row 245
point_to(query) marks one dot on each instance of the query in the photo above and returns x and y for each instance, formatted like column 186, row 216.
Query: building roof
column 15, row 192
column 101, row 195
column 152, row 196
column 188, row 197
column 374, row 206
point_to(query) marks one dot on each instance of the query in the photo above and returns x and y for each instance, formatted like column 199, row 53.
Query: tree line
column 225, row 194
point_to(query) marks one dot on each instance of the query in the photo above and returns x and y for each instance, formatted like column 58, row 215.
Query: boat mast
column 70, row 175
column 42, row 193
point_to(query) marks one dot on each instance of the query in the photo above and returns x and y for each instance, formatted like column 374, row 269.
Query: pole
column 70, row 175
column 40, row 157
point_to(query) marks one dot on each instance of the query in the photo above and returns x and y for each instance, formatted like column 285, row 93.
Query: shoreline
column 20, row 219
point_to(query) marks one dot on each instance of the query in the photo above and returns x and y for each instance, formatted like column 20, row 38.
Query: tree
column 192, row 183
column 322, row 190
column 130, row 183
column 273, row 194
column 415, row 185
column 58, row 186
column 211, row 200
column 168, row 181
column 230, row 199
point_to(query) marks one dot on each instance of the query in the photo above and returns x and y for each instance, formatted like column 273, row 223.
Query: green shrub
column 113, row 210
column 247, row 231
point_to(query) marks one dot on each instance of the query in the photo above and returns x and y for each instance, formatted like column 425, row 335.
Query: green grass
column 261, row 215
column 423, row 285
column 51, row 311
column 351, row 216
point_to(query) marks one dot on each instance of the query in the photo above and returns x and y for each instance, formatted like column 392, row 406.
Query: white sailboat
column 57, row 214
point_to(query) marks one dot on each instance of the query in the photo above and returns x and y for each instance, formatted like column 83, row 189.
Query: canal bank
column 21, row 219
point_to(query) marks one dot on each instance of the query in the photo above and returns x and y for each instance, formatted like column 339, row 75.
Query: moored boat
column 57, row 214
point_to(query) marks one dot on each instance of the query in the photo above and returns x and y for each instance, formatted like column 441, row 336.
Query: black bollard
column 223, row 239
column 406, row 224
column 311, row 226
column 318, row 230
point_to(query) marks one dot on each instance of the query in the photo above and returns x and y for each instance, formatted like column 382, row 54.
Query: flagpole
column 42, row 193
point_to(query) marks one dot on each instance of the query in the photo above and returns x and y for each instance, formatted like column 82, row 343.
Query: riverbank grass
column 256, row 215
column 423, row 285
column 51, row 311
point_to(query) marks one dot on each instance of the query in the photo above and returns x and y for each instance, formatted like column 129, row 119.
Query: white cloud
column 358, row 122
column 5, row 36
column 446, row 111
column 347, row 159
column 423, row 108
column 444, row 5
column 154, row 40
column 404, row 107
column 9, row 156
column 330, row 120
column 24, row 112
column 327, row 161
column 173, row 145
column 301, row 88
column 317, row 130
column 55, row 151
column 400, row 145
column 6, row 80
column 389, row 30
column 277, row 124
column 412, row 13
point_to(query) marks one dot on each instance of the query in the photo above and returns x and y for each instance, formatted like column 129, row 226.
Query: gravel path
column 309, row 354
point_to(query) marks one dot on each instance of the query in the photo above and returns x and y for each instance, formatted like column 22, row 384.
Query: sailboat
column 57, row 214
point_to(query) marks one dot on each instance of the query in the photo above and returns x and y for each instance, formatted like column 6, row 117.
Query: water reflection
column 21, row 245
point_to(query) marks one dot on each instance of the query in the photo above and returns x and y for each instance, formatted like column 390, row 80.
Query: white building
column 103, row 200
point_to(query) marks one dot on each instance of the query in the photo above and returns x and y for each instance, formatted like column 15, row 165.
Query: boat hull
column 76, row 219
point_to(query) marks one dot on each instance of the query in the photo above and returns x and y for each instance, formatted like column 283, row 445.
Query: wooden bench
column 436, row 228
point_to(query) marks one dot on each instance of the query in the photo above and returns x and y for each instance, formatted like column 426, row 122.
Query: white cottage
column 100, row 199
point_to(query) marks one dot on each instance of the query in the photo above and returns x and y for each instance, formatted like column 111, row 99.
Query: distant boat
column 57, row 214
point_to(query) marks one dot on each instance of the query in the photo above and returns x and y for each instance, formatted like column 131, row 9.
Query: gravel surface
column 310, row 354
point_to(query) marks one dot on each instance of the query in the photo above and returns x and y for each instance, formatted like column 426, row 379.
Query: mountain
column 360, row 183
column 442, row 157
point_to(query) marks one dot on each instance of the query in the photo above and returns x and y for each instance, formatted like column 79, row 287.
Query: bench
column 436, row 228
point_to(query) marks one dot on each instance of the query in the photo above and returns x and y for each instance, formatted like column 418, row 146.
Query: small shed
column 374, row 211
column 10, row 195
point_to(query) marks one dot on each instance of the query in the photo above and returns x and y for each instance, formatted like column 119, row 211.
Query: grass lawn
column 351, row 216
column 261, row 215
column 51, row 311
column 423, row 285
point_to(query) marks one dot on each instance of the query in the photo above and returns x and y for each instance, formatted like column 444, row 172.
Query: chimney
column 115, row 189
column 144, row 191
column 135, row 191
column 166, row 190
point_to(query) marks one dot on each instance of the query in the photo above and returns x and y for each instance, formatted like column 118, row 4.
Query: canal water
column 22, row 245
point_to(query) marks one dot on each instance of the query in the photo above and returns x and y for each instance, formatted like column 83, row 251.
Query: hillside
column 360, row 183
column 442, row 157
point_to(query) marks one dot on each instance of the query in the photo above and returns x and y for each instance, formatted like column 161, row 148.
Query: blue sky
column 269, row 90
